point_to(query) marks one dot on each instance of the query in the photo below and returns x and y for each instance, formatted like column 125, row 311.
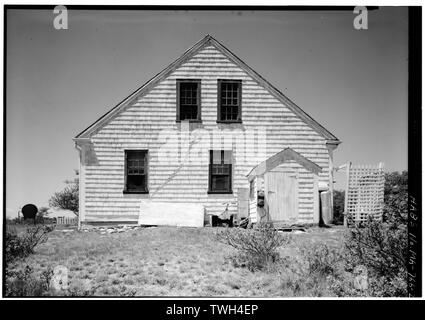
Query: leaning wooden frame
column 364, row 192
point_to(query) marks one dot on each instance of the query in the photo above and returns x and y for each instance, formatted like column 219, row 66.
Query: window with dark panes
column 136, row 171
column 220, row 171
column 229, row 100
column 188, row 100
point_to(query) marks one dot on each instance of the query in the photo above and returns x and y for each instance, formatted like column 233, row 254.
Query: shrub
column 324, row 275
column 320, row 259
column 382, row 248
column 257, row 248
column 20, row 246
column 343, row 286
column 305, row 285
column 395, row 183
column 379, row 246
column 396, row 198
column 24, row 283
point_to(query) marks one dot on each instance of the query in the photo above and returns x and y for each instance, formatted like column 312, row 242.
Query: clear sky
column 353, row 82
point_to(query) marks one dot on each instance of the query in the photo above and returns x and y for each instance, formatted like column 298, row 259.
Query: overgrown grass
column 191, row 262
column 166, row 262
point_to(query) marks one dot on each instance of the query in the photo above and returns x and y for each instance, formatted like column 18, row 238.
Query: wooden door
column 281, row 191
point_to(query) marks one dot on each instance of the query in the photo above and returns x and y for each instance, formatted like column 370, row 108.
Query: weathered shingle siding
column 139, row 126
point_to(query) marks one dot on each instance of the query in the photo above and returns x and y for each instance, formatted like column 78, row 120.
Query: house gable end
column 206, row 41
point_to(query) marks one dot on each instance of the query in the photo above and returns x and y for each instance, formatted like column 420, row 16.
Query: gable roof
column 285, row 155
column 206, row 41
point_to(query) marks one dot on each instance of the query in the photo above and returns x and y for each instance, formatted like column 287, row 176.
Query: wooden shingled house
column 201, row 138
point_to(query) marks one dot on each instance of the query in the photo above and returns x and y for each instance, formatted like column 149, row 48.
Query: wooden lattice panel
column 365, row 194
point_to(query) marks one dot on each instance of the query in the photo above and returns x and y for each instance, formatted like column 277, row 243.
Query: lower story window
column 136, row 175
column 220, row 171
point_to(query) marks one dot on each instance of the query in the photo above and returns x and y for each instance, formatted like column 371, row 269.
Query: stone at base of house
column 108, row 229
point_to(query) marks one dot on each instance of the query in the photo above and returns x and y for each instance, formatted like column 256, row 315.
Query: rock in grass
column 59, row 280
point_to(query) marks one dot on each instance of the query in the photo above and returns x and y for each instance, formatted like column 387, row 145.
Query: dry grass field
column 167, row 262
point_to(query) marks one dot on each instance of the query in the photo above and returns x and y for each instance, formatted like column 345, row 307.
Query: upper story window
column 229, row 100
column 188, row 99
column 136, row 171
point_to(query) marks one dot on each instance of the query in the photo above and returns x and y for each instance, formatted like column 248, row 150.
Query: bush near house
column 21, row 246
column 23, row 283
column 382, row 246
column 18, row 247
column 256, row 248
column 321, row 259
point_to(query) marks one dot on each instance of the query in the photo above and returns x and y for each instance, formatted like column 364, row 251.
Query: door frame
column 292, row 217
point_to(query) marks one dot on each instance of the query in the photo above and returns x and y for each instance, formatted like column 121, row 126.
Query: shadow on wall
column 90, row 158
